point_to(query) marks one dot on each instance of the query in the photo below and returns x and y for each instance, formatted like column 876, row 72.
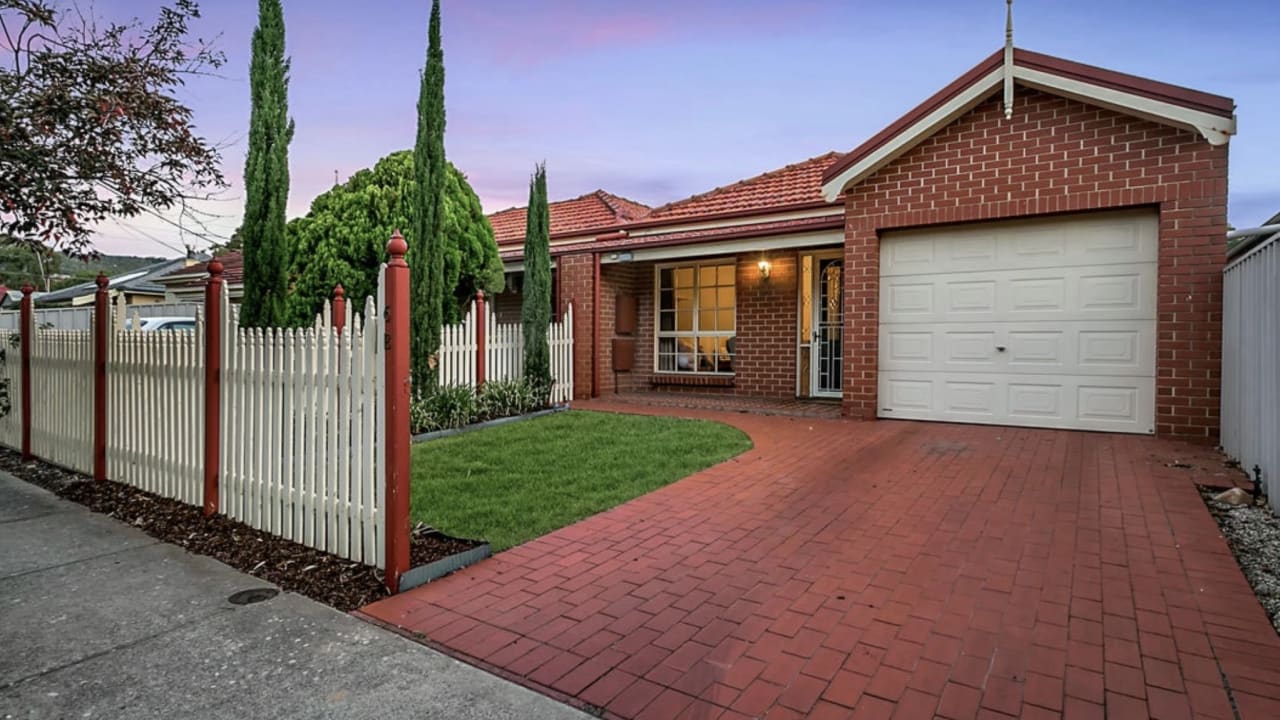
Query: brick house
column 1056, row 267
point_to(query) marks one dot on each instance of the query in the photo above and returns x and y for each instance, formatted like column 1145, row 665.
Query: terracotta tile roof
column 795, row 184
column 232, row 272
column 597, row 209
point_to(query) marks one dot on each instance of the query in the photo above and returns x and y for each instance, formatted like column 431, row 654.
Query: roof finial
column 1008, row 60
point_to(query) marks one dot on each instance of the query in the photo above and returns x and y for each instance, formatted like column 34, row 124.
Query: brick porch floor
column 889, row 569
column 792, row 407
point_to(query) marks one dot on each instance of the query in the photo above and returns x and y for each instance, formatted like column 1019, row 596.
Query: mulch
column 323, row 577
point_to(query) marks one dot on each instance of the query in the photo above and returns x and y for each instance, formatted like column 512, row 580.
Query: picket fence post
column 101, row 333
column 339, row 306
column 482, row 324
column 212, row 385
column 25, row 317
column 397, row 379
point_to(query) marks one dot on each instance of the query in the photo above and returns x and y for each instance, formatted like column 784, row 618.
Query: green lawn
column 514, row 482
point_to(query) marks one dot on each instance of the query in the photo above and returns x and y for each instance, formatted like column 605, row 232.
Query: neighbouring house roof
column 796, row 184
column 143, row 281
column 194, row 276
column 579, row 215
column 1213, row 116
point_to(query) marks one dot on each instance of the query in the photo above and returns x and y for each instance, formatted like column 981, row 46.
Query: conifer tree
column 426, row 239
column 535, row 313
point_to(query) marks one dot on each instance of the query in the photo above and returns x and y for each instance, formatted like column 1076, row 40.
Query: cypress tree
column 266, row 174
column 535, row 313
column 426, row 238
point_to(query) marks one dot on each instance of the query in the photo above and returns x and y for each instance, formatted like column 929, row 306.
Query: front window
column 696, row 318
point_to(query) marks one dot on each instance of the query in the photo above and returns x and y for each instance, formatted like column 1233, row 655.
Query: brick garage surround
column 1058, row 156
column 766, row 325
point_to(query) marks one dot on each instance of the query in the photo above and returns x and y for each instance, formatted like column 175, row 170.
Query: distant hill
column 18, row 265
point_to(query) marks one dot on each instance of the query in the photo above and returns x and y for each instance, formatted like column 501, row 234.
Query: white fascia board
column 914, row 135
column 518, row 265
column 727, row 247
column 1216, row 129
column 763, row 217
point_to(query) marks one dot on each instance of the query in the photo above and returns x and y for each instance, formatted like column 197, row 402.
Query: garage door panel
column 1102, row 239
column 1119, row 404
column 1104, row 348
column 1118, row 292
column 1048, row 323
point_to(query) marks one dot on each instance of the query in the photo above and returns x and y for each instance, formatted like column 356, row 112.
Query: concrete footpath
column 98, row 620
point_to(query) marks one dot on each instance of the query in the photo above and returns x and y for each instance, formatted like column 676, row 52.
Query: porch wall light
column 765, row 267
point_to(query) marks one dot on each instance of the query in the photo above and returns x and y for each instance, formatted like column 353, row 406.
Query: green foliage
column 535, row 313
column 91, row 126
column 343, row 239
column 266, row 174
column 456, row 406
column 426, row 256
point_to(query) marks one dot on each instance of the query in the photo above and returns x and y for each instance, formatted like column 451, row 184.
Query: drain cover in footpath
column 254, row 595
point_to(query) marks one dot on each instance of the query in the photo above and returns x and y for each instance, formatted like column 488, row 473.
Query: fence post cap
column 338, row 292
column 479, row 294
column 215, row 268
column 102, row 281
column 28, row 288
column 396, row 246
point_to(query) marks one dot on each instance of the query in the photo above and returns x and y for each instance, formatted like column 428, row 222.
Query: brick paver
column 887, row 569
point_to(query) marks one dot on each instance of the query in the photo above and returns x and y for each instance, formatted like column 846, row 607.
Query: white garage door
column 1047, row 323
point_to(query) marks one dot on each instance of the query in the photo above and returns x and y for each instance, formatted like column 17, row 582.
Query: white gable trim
column 1213, row 128
column 1217, row 130
column 914, row 135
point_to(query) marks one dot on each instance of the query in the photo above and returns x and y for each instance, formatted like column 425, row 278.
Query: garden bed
column 1253, row 534
column 321, row 576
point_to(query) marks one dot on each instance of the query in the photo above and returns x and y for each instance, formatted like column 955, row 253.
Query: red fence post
column 101, row 331
column 339, row 318
column 212, row 386
column 26, row 317
column 396, row 318
column 482, row 327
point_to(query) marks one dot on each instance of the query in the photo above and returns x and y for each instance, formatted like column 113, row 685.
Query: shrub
column 455, row 406
column 504, row 398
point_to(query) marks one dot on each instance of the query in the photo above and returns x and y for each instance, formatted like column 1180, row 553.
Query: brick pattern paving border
column 888, row 569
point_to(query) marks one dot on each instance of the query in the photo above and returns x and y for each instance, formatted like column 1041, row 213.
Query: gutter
column 1257, row 235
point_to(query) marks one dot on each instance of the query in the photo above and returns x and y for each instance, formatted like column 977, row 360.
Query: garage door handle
column 999, row 348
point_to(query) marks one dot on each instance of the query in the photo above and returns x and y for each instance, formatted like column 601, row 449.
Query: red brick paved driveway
column 877, row 570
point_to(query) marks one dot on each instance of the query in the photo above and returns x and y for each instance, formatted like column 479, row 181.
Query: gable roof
column 144, row 280
column 1213, row 116
column 592, row 211
column 796, row 184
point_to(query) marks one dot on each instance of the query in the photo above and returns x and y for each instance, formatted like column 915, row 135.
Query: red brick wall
column 1055, row 156
column 576, row 284
column 765, row 362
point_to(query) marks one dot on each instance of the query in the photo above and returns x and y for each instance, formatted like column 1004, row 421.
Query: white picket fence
column 303, row 423
column 155, row 411
column 81, row 317
column 62, row 397
column 504, row 352
column 11, row 388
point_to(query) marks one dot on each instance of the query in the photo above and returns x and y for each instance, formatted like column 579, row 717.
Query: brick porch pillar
column 576, row 284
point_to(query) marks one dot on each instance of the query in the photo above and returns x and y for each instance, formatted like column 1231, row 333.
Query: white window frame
column 658, row 333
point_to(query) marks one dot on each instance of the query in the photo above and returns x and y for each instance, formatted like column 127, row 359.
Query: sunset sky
column 658, row 100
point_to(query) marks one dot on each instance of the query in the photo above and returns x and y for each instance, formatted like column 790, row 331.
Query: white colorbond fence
column 302, row 426
column 81, row 318
column 504, row 352
column 1251, row 362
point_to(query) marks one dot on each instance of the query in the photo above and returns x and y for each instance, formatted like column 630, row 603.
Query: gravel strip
column 323, row 577
column 1253, row 534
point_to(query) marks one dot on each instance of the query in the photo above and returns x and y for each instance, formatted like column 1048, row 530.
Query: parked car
column 152, row 324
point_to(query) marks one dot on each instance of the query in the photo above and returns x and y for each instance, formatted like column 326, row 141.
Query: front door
column 821, row 325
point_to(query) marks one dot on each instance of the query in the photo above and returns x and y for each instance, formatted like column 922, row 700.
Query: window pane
column 684, row 300
column 667, row 321
column 684, row 321
column 726, row 320
column 667, row 300
column 724, row 297
column 667, row 346
column 686, row 359
column 724, row 275
column 706, row 320
column 684, row 277
column 707, row 354
column 664, row 278
column 707, row 298
column 707, row 275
